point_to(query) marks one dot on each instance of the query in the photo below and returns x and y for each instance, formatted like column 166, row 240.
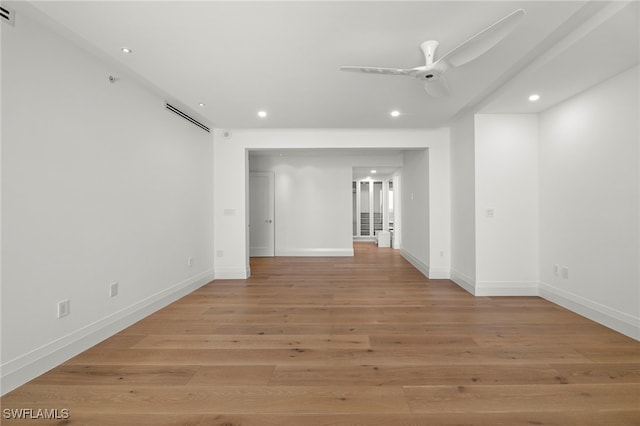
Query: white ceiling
column 239, row 57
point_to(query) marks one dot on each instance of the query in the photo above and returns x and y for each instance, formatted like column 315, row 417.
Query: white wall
column 99, row 184
column 463, row 216
column 439, row 210
column 582, row 213
column 589, row 203
column 313, row 204
column 396, row 242
column 425, row 210
column 506, row 180
column 231, row 175
column 415, row 209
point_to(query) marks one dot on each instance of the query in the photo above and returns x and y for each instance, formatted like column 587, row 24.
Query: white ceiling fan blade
column 377, row 70
column 483, row 41
column 437, row 87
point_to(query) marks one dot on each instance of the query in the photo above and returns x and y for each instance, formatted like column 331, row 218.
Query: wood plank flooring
column 366, row 340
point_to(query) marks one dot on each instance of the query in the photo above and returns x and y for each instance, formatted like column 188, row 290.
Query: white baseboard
column 464, row 281
column 19, row 371
column 232, row 273
column 506, row 288
column 431, row 273
column 364, row 239
column 612, row 318
column 494, row 288
column 417, row 263
column 317, row 252
column 438, row 273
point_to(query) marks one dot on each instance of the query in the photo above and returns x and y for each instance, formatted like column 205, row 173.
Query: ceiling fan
column 432, row 73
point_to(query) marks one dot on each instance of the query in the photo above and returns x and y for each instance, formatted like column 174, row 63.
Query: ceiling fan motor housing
column 430, row 72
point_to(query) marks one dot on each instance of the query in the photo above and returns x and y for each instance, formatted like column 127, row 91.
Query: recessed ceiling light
column 201, row 104
column 534, row 97
column 262, row 114
column 395, row 113
column 126, row 50
column 374, row 171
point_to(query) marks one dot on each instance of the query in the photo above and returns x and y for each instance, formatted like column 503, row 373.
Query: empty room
column 320, row 213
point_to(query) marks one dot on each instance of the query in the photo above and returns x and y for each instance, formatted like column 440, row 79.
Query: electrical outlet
column 189, row 262
column 556, row 270
column 63, row 308
column 490, row 212
column 220, row 253
column 113, row 289
column 565, row 272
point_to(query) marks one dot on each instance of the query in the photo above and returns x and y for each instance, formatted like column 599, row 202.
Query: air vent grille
column 187, row 117
column 7, row 15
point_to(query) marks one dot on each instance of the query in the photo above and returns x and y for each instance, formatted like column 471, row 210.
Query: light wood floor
column 347, row 341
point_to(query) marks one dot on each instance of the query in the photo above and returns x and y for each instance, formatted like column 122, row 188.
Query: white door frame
column 397, row 212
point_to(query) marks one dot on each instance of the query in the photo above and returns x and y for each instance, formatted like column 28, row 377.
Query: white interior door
column 261, row 214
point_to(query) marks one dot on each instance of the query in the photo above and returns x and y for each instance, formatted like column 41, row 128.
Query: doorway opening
column 374, row 213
